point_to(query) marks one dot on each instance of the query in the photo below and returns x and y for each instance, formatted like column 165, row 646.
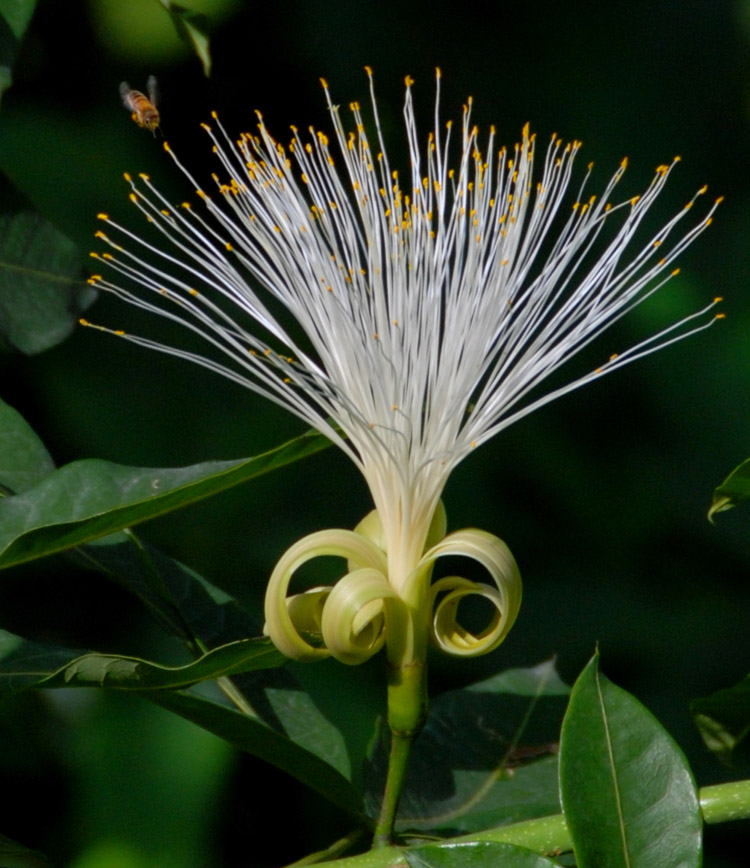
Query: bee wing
column 152, row 85
column 125, row 91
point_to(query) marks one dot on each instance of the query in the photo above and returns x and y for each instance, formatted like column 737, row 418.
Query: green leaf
column 25, row 664
column 254, row 737
column 484, row 854
column 41, row 291
column 628, row 795
column 192, row 27
column 24, row 460
column 15, row 16
column 14, row 855
column 723, row 719
column 735, row 489
column 183, row 603
column 486, row 756
column 89, row 499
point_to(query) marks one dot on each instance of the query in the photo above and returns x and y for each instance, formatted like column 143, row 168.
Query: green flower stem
column 397, row 761
column 724, row 802
column 549, row 835
column 407, row 712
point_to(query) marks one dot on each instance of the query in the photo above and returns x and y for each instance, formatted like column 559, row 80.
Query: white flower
column 408, row 319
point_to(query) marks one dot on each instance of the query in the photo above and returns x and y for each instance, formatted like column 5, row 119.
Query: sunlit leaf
column 26, row 664
column 628, row 795
column 193, row 28
column 487, row 755
column 734, row 490
column 14, row 855
column 478, row 854
column 89, row 499
column 24, row 460
column 15, row 16
column 41, row 287
column 248, row 734
column 723, row 719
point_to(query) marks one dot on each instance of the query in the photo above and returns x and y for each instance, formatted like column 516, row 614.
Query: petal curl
column 355, row 614
column 280, row 625
column 496, row 558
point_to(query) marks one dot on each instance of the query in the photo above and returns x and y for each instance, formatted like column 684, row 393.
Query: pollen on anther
column 720, row 316
column 718, row 299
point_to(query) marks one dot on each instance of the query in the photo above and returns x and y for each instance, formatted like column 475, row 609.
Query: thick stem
column 407, row 712
column 719, row 803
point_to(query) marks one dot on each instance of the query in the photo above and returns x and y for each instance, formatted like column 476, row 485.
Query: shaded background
column 602, row 497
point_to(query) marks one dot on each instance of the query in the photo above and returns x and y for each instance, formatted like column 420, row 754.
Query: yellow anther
column 720, row 316
column 718, row 299
column 102, row 216
column 120, row 333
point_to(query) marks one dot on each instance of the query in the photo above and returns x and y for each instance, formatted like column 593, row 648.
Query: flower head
column 409, row 319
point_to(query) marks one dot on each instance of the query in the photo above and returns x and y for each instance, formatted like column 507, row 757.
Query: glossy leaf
column 192, row 27
column 26, row 664
column 486, row 756
column 41, row 287
column 24, row 460
column 250, row 735
column 15, row 16
column 723, row 719
column 91, row 498
column 628, row 795
column 484, row 854
column 734, row 490
column 310, row 713
column 14, row 855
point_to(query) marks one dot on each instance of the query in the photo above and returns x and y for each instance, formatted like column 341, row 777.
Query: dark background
column 602, row 497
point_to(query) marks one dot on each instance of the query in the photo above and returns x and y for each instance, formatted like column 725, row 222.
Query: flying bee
column 143, row 108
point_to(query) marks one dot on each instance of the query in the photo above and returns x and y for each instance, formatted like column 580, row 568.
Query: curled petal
column 280, row 624
column 449, row 634
column 355, row 613
column 306, row 609
column 496, row 558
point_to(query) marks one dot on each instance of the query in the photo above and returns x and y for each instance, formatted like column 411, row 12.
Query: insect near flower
column 464, row 285
column 143, row 108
